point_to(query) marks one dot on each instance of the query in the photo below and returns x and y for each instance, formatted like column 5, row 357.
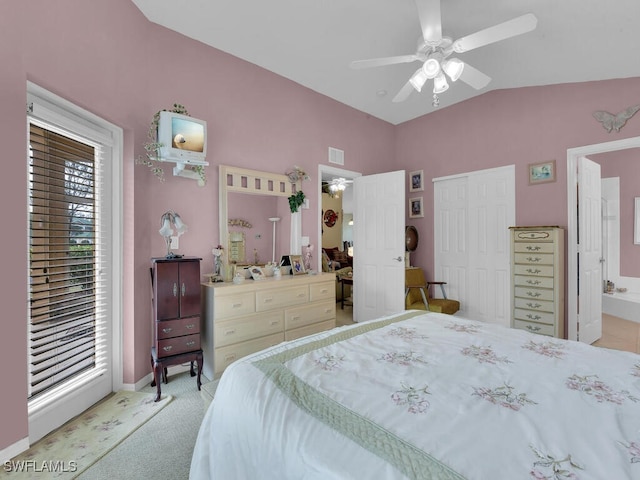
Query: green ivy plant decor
column 296, row 174
column 296, row 200
column 152, row 148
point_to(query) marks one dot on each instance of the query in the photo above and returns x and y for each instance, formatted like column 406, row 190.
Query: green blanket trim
column 410, row 460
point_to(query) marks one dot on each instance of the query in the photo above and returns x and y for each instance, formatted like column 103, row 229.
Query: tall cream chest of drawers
column 240, row 319
column 537, row 280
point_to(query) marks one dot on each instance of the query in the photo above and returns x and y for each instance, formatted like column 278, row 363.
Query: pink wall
column 517, row 126
column 624, row 164
column 107, row 58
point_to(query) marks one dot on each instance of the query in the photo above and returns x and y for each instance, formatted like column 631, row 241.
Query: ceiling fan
column 434, row 50
column 337, row 185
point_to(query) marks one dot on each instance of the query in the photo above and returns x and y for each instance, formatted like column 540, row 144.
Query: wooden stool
column 159, row 367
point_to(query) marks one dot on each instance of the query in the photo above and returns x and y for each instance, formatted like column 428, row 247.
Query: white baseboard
column 11, row 451
column 146, row 380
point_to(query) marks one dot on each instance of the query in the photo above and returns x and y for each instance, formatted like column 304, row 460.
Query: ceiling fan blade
column 430, row 20
column 404, row 93
column 474, row 77
column 502, row 31
column 380, row 62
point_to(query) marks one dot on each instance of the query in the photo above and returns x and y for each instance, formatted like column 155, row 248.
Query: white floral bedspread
column 432, row 396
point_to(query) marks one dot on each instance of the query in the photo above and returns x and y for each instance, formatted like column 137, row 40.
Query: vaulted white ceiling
column 313, row 42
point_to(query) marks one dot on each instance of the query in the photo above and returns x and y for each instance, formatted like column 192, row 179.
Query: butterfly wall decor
column 615, row 122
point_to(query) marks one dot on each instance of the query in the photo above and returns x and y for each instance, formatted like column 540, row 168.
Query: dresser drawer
column 527, row 281
column 225, row 306
column 301, row 316
column 534, row 236
column 541, row 247
column 532, row 316
column 240, row 329
column 177, row 328
column 278, row 298
column 534, row 270
column 534, row 258
column 534, row 304
column 534, row 293
column 309, row 330
column 322, row 291
column 225, row 356
column 176, row 345
column 539, row 328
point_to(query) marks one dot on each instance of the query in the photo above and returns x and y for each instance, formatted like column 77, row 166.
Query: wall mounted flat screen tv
column 183, row 138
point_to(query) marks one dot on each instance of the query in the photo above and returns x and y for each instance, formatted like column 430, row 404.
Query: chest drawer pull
column 532, row 328
column 533, row 248
column 533, row 271
column 533, row 317
column 237, row 305
column 167, row 348
column 301, row 295
column 268, row 300
column 191, row 326
column 533, row 294
column 230, row 357
column 534, row 282
column 167, row 330
column 191, row 343
column 533, row 305
column 324, row 290
column 533, row 259
column 175, row 289
column 231, row 331
column 296, row 317
column 274, row 323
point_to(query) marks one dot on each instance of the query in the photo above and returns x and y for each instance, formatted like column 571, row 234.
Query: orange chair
column 417, row 294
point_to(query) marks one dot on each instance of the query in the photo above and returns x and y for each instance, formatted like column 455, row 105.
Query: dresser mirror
column 261, row 192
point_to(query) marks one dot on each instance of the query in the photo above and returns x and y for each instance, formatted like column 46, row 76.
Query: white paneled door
column 472, row 216
column 379, row 245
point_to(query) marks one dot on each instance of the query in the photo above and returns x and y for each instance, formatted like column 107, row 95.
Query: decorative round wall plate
column 330, row 218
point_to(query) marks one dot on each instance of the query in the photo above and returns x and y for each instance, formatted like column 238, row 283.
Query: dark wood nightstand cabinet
column 176, row 311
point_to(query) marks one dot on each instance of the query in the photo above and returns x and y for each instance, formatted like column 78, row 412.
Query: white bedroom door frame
column 472, row 215
column 379, row 245
column 573, row 279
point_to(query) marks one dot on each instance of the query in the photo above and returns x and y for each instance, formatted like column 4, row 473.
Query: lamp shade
column 453, row 67
column 431, row 68
column 440, row 84
column 166, row 230
column 418, row 79
column 180, row 226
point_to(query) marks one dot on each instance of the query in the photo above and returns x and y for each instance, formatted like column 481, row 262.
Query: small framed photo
column 415, row 208
column 297, row 267
column 256, row 272
column 542, row 172
column 416, row 181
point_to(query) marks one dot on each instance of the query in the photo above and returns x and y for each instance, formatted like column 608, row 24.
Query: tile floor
column 617, row 333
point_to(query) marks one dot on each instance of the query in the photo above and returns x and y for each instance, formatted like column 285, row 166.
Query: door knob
column 398, row 259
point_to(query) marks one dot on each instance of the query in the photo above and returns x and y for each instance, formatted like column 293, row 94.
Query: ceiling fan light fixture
column 418, row 80
column 453, row 67
column 440, row 84
column 431, row 68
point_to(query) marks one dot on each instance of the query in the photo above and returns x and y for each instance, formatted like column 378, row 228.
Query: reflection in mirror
column 236, row 247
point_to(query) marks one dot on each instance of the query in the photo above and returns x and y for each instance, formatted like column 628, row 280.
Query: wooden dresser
column 537, row 280
column 176, row 311
column 239, row 319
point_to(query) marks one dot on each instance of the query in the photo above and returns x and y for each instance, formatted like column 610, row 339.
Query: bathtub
column 624, row 305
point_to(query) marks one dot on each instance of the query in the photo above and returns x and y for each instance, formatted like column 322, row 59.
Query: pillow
column 341, row 257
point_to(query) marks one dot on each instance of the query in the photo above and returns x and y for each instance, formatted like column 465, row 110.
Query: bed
column 424, row 396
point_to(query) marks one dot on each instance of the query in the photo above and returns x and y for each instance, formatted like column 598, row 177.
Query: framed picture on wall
column 297, row 267
column 542, row 172
column 415, row 208
column 416, row 181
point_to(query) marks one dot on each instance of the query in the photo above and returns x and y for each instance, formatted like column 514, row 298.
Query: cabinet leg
column 153, row 369
column 199, row 361
column 157, row 373
column 191, row 370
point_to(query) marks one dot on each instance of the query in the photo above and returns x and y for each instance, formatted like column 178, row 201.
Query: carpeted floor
column 74, row 447
column 162, row 447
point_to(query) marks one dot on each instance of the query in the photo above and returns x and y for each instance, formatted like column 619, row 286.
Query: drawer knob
column 274, row 323
column 301, row 295
column 191, row 326
column 268, row 300
column 237, row 305
column 533, row 329
column 191, row 343
column 230, row 332
column 166, row 330
column 297, row 317
column 230, row 357
column 167, row 348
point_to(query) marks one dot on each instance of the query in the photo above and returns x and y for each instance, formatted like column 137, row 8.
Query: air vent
column 336, row 156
